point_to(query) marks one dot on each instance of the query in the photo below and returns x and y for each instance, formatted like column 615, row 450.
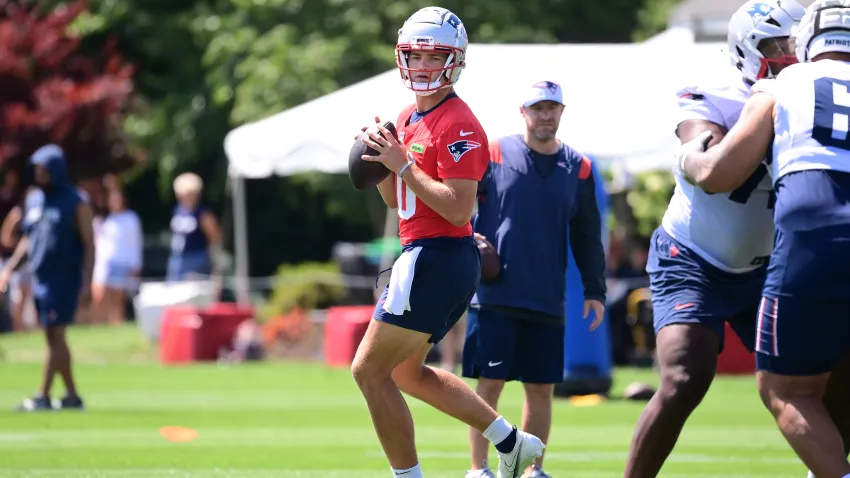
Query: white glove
column 696, row 145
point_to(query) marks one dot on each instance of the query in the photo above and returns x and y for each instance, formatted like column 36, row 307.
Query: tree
column 51, row 93
column 207, row 66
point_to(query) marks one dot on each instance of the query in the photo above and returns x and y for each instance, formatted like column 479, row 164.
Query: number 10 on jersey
column 406, row 199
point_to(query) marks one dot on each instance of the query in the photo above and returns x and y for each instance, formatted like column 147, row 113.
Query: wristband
column 404, row 168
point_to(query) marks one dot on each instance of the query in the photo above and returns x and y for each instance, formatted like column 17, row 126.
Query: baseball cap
column 544, row 91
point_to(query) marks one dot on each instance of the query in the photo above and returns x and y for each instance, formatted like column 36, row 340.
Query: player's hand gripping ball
column 490, row 263
column 367, row 174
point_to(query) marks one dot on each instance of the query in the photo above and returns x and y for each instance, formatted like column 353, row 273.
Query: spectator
column 195, row 233
column 118, row 258
column 11, row 195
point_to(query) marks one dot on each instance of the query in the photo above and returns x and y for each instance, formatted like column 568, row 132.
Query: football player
column 799, row 122
column 440, row 155
column 707, row 261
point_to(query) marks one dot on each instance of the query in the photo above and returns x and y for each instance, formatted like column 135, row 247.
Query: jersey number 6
column 832, row 113
column 406, row 199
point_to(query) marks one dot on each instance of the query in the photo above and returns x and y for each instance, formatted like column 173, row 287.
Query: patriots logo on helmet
column 453, row 20
column 549, row 85
column 461, row 147
column 760, row 10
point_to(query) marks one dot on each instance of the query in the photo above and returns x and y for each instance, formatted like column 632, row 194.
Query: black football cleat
column 69, row 403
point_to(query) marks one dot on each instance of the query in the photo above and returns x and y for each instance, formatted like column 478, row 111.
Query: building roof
column 708, row 18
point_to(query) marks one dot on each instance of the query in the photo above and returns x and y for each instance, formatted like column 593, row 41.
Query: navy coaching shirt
column 529, row 206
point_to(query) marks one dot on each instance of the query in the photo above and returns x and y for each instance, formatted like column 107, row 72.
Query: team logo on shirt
column 760, row 10
column 567, row 164
column 461, row 147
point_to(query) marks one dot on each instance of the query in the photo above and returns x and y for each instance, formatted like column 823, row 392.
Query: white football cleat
column 485, row 472
column 537, row 473
column 527, row 449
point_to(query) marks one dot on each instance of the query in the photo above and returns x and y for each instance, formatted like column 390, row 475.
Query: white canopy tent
column 620, row 107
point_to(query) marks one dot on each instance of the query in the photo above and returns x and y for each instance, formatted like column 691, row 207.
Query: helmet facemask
column 449, row 72
column 776, row 54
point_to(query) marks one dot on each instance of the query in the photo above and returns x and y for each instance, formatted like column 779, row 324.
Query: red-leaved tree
column 50, row 92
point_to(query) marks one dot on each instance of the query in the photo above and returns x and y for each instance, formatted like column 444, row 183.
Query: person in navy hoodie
column 537, row 196
column 57, row 237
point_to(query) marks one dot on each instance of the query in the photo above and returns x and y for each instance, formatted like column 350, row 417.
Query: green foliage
column 649, row 197
column 652, row 18
column 308, row 285
column 206, row 66
column 270, row 55
column 51, row 91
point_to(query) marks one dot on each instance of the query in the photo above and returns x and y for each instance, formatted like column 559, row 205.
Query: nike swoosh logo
column 464, row 133
column 511, row 467
column 399, row 473
column 493, row 364
column 684, row 306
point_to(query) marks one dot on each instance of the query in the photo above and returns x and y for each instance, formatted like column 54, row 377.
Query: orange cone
column 178, row 434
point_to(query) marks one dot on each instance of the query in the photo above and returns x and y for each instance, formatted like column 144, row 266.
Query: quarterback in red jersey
column 447, row 143
column 438, row 160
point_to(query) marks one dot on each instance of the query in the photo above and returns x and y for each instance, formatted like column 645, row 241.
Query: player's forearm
column 438, row 196
column 387, row 190
column 731, row 162
column 702, row 169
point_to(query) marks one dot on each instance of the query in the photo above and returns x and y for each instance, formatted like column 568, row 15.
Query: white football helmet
column 432, row 29
column 759, row 20
column 825, row 28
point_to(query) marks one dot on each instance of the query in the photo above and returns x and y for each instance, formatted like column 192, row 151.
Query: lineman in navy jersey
column 707, row 260
column 803, row 330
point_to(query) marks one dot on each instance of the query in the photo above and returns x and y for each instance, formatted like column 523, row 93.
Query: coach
column 536, row 191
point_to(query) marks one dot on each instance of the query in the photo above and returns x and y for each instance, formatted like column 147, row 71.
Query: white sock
column 845, row 476
column 810, row 475
column 414, row 472
column 498, row 430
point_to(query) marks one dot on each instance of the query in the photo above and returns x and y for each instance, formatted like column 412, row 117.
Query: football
column 367, row 174
column 490, row 263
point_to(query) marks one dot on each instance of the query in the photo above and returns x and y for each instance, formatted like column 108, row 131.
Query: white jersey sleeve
column 719, row 104
column 811, row 117
column 732, row 231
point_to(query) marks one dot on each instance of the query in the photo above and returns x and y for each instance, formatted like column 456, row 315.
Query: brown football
column 367, row 174
column 490, row 263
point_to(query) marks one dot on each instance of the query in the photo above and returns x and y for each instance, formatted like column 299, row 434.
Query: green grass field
column 305, row 420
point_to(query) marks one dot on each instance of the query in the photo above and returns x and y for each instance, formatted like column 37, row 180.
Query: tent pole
column 240, row 238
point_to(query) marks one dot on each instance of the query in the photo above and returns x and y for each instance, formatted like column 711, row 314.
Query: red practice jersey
column 447, row 143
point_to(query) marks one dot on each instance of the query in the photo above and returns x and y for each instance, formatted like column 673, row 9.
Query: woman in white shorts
column 118, row 258
column 20, row 287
